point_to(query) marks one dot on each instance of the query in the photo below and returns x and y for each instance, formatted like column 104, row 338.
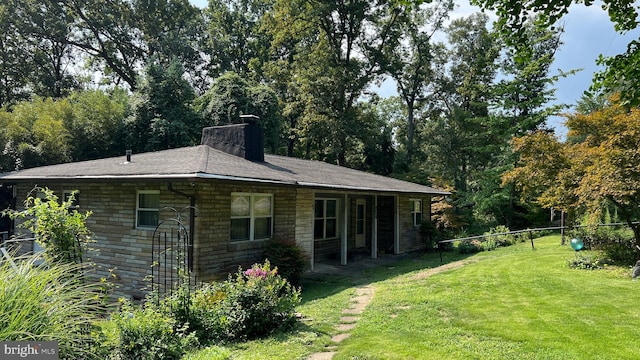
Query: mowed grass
column 512, row 303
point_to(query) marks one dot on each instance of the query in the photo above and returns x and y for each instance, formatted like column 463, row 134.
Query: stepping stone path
column 348, row 320
column 359, row 302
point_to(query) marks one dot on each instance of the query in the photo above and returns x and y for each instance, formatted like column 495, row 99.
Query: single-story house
column 236, row 197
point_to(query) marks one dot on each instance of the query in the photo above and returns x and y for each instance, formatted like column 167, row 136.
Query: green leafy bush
column 585, row 262
column 288, row 257
column 489, row 244
column 254, row 303
column 149, row 334
column 429, row 236
column 249, row 304
column 503, row 239
column 617, row 245
column 52, row 303
column 469, row 246
column 59, row 227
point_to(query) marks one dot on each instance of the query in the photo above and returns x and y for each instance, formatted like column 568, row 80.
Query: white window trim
column 413, row 212
column 324, row 217
column 253, row 217
column 138, row 208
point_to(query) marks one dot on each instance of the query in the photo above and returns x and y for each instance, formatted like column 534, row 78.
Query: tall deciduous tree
column 598, row 170
column 621, row 71
column 14, row 57
column 46, row 28
column 163, row 117
column 338, row 53
column 414, row 60
column 231, row 96
column 236, row 42
column 463, row 137
column 521, row 99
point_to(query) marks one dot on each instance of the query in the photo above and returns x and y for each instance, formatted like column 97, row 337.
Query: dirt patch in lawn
column 453, row 265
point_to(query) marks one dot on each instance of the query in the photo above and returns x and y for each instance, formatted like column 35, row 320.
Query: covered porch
column 351, row 227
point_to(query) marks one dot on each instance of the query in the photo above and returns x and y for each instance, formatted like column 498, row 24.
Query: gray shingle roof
column 205, row 162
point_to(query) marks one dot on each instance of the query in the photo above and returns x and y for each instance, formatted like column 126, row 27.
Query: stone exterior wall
column 409, row 234
column 215, row 255
column 304, row 222
column 124, row 252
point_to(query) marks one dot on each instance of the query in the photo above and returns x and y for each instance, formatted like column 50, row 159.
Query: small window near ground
column 416, row 211
column 148, row 209
column 251, row 216
column 326, row 219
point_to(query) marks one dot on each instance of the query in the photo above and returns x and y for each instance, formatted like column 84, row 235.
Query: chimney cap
column 249, row 118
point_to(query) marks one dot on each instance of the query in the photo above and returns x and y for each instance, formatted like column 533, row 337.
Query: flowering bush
column 255, row 303
column 249, row 304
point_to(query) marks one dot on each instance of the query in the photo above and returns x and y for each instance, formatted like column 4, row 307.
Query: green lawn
column 512, row 303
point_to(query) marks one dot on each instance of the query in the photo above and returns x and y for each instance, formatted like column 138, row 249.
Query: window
column 148, row 209
column 326, row 219
column 416, row 211
column 251, row 216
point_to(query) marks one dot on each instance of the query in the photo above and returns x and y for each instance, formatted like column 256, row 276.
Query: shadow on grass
column 359, row 273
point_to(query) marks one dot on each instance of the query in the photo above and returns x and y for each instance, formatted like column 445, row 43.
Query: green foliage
column 147, row 333
column 162, row 114
column 50, row 303
column 231, row 96
column 504, row 239
column 489, row 244
column 255, row 303
column 514, row 15
column 469, row 246
column 250, row 304
column 429, row 236
column 585, row 262
column 59, row 227
column 289, row 258
column 618, row 246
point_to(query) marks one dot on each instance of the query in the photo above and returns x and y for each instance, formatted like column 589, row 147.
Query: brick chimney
column 245, row 140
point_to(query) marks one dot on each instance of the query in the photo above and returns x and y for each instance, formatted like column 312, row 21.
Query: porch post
column 396, row 233
column 374, row 229
column 343, row 237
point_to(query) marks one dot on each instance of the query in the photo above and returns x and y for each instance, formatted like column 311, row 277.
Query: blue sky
column 588, row 33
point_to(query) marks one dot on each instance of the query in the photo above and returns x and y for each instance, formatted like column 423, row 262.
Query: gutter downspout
column 192, row 222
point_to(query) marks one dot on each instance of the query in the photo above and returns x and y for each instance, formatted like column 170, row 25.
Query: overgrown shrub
column 149, row 334
column 249, row 304
column 489, row 244
column 469, row 246
column 618, row 245
column 57, row 225
column 288, row 257
column 255, row 303
column 52, row 303
column 503, row 239
column 429, row 236
column 585, row 262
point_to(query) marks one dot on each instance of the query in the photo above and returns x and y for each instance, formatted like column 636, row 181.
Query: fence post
column 531, row 238
column 440, row 251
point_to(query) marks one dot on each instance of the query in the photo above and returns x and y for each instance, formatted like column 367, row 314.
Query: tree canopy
column 597, row 168
column 621, row 72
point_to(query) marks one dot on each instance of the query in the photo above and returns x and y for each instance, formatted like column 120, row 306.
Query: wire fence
column 529, row 231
